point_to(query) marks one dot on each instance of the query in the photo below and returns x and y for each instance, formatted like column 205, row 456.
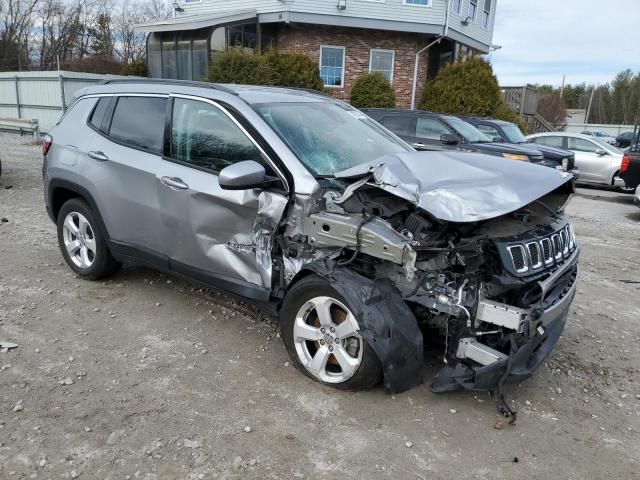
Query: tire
column 82, row 242
column 307, row 334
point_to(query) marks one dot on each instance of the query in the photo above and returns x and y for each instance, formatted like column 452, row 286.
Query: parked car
column 306, row 206
column 624, row 140
column 502, row 131
column 605, row 137
column 630, row 169
column 433, row 131
column 599, row 163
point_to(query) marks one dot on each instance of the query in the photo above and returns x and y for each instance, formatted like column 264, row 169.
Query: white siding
column 394, row 10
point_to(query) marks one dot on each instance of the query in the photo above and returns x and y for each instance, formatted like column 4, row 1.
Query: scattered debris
column 408, row 444
column 247, row 429
column 192, row 443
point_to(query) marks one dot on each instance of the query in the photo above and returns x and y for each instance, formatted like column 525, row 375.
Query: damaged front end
column 488, row 266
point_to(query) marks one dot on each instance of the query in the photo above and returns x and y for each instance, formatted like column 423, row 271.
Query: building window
column 473, row 9
column 382, row 61
column 456, row 6
column 332, row 66
column 424, row 3
column 486, row 14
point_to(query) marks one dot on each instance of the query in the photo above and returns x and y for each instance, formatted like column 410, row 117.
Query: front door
column 593, row 166
column 220, row 237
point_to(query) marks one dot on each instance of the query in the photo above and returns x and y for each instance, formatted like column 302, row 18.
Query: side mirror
column 601, row 152
column 243, row 176
column 497, row 140
column 449, row 139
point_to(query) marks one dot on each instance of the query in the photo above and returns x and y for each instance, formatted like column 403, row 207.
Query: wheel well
column 58, row 198
column 614, row 176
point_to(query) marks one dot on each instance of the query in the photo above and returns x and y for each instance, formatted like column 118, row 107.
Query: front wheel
column 322, row 337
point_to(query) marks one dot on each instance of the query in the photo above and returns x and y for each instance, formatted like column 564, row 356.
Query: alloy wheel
column 79, row 239
column 327, row 340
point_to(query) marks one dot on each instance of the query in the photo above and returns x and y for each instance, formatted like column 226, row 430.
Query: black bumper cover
column 524, row 362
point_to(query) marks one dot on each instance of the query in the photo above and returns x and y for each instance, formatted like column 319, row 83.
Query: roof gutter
column 423, row 49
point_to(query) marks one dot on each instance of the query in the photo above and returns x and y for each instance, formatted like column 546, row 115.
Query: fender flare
column 83, row 193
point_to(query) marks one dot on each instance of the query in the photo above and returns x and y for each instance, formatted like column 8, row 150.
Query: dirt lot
column 144, row 376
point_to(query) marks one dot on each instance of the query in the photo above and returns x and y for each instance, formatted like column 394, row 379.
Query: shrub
column 463, row 88
column 238, row 66
column 469, row 88
column 137, row 68
column 373, row 90
column 272, row 68
column 295, row 70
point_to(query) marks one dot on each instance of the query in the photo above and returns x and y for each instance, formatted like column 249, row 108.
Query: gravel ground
column 144, row 376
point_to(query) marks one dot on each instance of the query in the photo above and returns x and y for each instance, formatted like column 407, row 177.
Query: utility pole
column 586, row 118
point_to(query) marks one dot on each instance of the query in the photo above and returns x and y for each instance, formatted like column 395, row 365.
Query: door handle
column 174, row 182
column 419, row 145
column 101, row 157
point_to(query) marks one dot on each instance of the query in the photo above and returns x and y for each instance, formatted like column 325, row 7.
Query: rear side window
column 400, row 125
column 549, row 141
column 99, row 112
column 139, row 122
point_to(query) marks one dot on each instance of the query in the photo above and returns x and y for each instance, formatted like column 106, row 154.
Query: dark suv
column 432, row 131
column 502, row 131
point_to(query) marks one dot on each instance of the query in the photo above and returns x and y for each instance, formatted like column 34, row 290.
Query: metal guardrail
column 21, row 125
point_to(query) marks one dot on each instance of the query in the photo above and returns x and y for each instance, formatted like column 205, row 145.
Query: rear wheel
column 322, row 337
column 81, row 242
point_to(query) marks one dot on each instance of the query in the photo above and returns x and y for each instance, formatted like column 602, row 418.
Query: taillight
column 47, row 141
column 624, row 166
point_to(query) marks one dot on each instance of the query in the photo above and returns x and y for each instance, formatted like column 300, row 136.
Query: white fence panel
column 613, row 130
column 43, row 96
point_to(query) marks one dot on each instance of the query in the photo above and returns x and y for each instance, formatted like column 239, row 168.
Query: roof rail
column 163, row 81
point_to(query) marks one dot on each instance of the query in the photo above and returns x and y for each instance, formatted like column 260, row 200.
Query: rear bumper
column 619, row 183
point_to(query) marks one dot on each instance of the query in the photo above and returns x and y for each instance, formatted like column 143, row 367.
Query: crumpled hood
column 460, row 186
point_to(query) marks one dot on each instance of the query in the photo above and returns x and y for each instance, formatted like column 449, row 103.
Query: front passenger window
column 581, row 145
column 204, row 136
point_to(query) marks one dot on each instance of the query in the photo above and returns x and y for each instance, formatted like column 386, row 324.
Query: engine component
column 377, row 238
column 473, row 350
column 502, row 315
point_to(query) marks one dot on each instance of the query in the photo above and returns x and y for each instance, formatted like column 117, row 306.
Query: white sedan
column 598, row 162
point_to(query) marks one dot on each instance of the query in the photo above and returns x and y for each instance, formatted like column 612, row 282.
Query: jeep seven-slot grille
column 535, row 254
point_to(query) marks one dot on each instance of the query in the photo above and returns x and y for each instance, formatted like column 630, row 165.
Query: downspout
column 417, row 61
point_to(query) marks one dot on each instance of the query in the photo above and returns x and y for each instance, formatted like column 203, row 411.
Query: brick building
column 406, row 40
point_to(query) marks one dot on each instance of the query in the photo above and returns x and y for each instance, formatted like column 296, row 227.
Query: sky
column 586, row 40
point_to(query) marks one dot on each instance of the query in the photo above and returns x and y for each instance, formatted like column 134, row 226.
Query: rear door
column 220, row 237
column 124, row 156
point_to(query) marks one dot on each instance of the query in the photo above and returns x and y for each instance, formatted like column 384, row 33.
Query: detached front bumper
column 528, row 356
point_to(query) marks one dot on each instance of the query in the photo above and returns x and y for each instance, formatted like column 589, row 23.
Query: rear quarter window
column 139, row 122
column 99, row 112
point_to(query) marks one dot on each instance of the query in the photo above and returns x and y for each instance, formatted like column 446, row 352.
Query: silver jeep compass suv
column 307, row 206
